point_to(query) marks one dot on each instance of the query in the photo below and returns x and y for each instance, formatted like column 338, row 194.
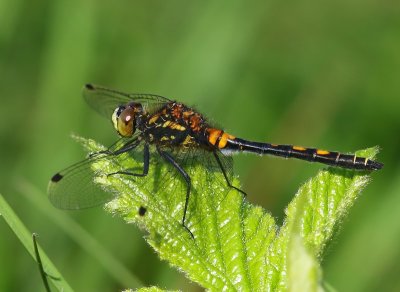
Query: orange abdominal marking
column 322, row 152
column 299, row 148
column 214, row 135
column 218, row 136
column 224, row 140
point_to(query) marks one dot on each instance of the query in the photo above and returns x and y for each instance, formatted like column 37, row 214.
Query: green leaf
column 315, row 214
column 303, row 270
column 26, row 239
column 328, row 198
column 236, row 245
column 147, row 289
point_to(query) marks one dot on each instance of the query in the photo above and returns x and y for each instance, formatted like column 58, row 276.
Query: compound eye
column 123, row 119
column 119, row 110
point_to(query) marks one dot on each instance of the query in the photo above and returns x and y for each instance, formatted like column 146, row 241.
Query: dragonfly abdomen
column 309, row 154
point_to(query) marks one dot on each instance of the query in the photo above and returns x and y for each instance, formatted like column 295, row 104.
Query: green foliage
column 236, row 245
column 147, row 289
column 314, row 73
column 25, row 238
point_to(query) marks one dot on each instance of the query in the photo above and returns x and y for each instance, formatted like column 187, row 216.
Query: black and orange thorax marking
column 179, row 124
column 175, row 123
column 201, row 131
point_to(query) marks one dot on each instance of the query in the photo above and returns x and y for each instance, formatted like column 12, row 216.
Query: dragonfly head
column 124, row 119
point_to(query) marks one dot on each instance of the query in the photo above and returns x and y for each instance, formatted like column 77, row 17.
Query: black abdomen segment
column 309, row 154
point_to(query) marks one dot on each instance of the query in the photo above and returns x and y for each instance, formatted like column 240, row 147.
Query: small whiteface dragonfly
column 180, row 136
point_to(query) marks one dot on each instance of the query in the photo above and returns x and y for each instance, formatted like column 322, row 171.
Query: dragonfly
column 180, row 137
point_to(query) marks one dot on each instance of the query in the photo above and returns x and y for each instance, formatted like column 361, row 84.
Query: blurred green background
column 311, row 73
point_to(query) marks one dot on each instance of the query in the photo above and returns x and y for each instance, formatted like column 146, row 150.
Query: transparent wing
column 105, row 100
column 75, row 187
column 201, row 166
column 205, row 174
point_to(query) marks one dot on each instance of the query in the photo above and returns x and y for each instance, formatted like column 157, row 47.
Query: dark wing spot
column 142, row 211
column 89, row 86
column 56, row 178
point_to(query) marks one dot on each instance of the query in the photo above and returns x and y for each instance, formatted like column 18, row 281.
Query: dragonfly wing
column 202, row 168
column 74, row 187
column 105, row 100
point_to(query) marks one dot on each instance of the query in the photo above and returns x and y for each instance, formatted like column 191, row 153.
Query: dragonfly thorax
column 125, row 118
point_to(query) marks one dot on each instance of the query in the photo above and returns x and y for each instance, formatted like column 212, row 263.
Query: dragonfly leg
column 124, row 148
column 226, row 177
column 128, row 146
column 146, row 163
column 179, row 168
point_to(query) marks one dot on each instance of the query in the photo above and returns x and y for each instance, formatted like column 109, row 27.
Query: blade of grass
column 92, row 246
column 26, row 239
